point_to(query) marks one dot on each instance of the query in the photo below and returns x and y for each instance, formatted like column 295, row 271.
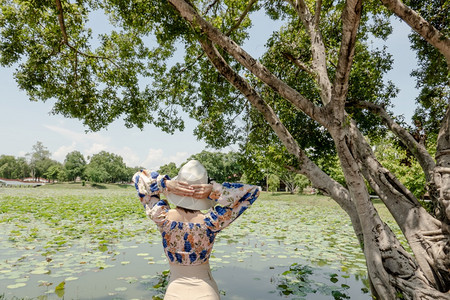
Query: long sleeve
column 232, row 200
column 148, row 189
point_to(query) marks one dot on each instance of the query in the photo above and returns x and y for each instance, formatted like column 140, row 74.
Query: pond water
column 99, row 245
column 19, row 183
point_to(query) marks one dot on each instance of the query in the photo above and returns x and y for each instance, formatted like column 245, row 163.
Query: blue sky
column 23, row 123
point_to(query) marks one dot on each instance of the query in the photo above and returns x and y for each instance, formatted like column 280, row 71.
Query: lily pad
column 71, row 278
column 16, row 286
column 40, row 271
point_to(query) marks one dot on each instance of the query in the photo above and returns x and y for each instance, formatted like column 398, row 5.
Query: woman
column 187, row 233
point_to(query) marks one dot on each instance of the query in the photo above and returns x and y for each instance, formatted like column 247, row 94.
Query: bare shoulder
column 176, row 215
column 172, row 214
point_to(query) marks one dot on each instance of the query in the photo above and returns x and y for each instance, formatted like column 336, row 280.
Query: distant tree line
column 237, row 167
column 257, row 168
column 103, row 167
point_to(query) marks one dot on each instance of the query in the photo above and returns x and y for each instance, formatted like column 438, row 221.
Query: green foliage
column 13, row 168
column 39, row 160
column 301, row 182
column 432, row 74
column 332, row 167
column 60, row 289
column 169, row 169
column 273, row 182
column 221, row 167
column 106, row 167
column 162, row 281
column 401, row 163
column 74, row 164
column 55, row 171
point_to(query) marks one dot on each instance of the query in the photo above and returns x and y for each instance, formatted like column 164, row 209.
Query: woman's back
column 180, row 215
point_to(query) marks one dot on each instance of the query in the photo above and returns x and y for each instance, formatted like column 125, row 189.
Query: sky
column 23, row 123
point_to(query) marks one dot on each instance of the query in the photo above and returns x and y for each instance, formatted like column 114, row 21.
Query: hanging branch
column 209, row 7
column 65, row 40
column 418, row 150
column 241, row 18
column 299, row 64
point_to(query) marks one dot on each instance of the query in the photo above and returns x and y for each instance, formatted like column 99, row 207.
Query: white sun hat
column 193, row 172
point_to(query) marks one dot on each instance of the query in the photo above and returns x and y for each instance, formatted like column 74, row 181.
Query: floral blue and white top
column 191, row 243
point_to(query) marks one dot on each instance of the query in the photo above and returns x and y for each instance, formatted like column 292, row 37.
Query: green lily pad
column 16, row 286
column 40, row 271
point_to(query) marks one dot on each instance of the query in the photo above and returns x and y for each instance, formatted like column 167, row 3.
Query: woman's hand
column 179, row 188
column 201, row 191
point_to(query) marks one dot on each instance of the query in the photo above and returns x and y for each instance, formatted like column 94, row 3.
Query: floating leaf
column 71, row 278
column 39, row 271
column 17, row 285
column 60, row 289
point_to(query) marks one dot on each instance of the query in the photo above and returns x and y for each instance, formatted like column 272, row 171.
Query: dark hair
column 187, row 210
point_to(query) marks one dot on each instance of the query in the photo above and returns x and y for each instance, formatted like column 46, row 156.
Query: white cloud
column 178, row 158
column 154, row 159
column 77, row 136
column 130, row 158
column 94, row 142
column 61, row 152
column 94, row 149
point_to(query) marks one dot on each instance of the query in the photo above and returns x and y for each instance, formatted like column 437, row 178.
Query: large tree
column 14, row 168
column 74, row 163
column 106, row 167
column 318, row 88
column 40, row 160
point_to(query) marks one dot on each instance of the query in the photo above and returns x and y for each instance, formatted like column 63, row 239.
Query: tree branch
column 399, row 200
column 210, row 6
column 191, row 64
column 319, row 58
column 421, row 26
column 62, row 25
column 418, row 150
column 317, row 14
column 443, row 141
column 241, row 18
column 246, row 60
column 66, row 42
column 307, row 167
column 350, row 18
column 299, row 64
